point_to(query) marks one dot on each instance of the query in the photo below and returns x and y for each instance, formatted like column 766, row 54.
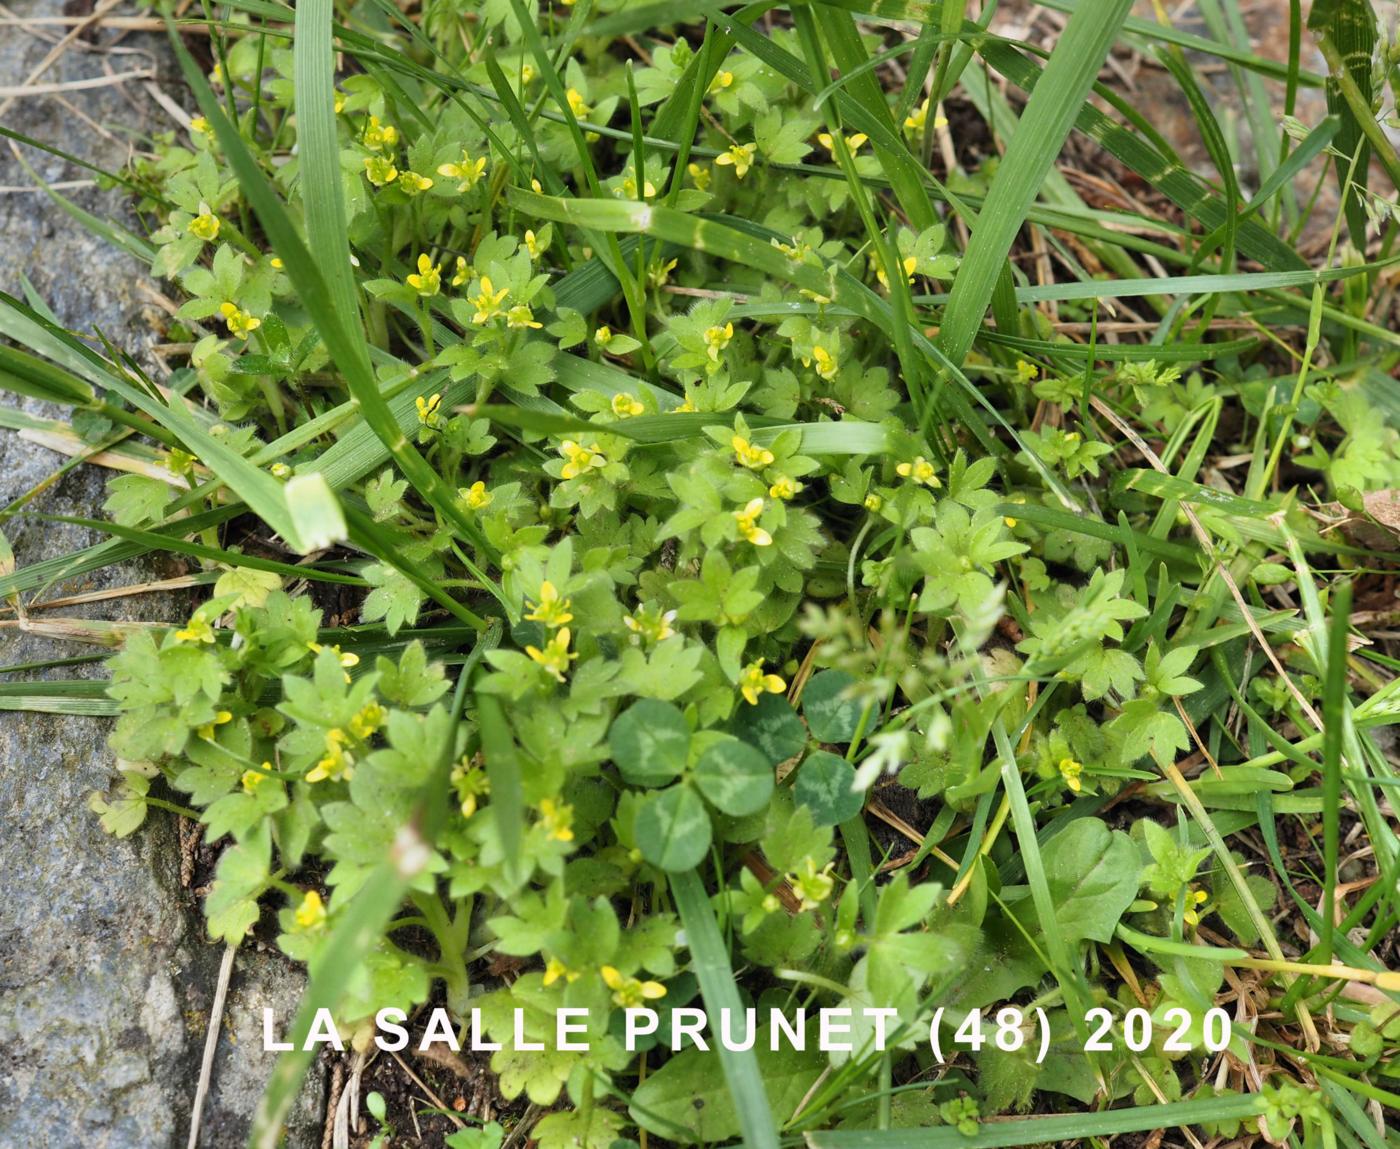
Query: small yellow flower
column 252, row 779
column 551, row 610
column 276, row 263
column 533, row 245
column 488, row 302
column 920, row 470
column 784, row 488
column 577, row 104
column 429, row 409
column 555, row 657
column 629, row 188
column 909, row 265
column 521, row 316
column 471, row 784
column 659, row 274
column 624, row 406
column 554, row 969
column 826, row 363
column 527, row 73
column 739, row 157
column 239, row 322
column 467, row 171
column 336, row 763
column 1026, row 372
column 198, row 630
column 280, row 471
column 222, row 718
column 580, row 458
column 1070, row 770
column 811, row 885
column 747, row 518
column 557, row 819
column 477, row 497
column 205, row 225
column 368, row 719
column 428, row 281
column 755, row 458
column 797, row 251
column 687, row 407
column 629, row 992
column 200, row 126
column 412, row 183
column 339, row 102
column 915, row 121
column 603, row 336
column 346, row 658
column 722, row 80
column 379, row 137
column 873, row 502
column 312, row 912
column 753, row 682
column 461, row 272
column 717, row 339
column 853, row 142
column 699, row 175
column 650, row 624
column 380, row 170
column 1194, row 900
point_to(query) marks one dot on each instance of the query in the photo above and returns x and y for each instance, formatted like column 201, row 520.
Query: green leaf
column 1093, row 874
column 772, row 726
column 232, row 905
column 831, row 715
column 650, row 742
column 735, row 777
column 673, row 829
column 825, row 785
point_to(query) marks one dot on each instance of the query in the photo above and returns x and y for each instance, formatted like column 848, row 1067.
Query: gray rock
column 106, row 975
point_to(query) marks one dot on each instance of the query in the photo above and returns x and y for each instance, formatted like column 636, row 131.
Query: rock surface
column 106, row 977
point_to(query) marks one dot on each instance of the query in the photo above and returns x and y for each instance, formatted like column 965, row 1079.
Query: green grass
column 1002, row 563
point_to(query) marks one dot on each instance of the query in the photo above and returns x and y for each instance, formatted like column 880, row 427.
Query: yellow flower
column 471, row 783
column 467, row 172
column 379, row 137
column 797, row 251
column 429, row 410
column 649, row 624
column 1070, row 770
column 556, row 655
column 367, row 720
column 812, row 886
column 624, row 406
column 527, row 73
column 521, row 316
column 826, row 362
column 603, row 336
column 753, row 682
column 346, row 658
column 660, row 272
column 579, row 459
column 699, row 175
column 412, row 183
column 739, row 157
column 916, row 119
column 477, row 497
column 755, row 458
column 577, row 104
column 488, row 302
column 784, row 488
column 280, row 470
column 205, row 225
column 252, row 779
column 428, row 281
column 240, row 323
column 747, row 518
column 717, row 339
column 557, row 819
column 920, row 470
column 1194, row 899
column 1026, row 372
column 312, row 911
column 629, row 992
column 533, row 245
column 380, row 170
column 873, row 502
column 462, row 271
column 336, row 763
column 200, row 126
column 908, row 263
column 551, row 610
column 339, row 102
column 222, row 718
column 629, row 188
column 198, row 630
column 853, row 142
column 687, row 407
column 721, row 81
column 554, row 969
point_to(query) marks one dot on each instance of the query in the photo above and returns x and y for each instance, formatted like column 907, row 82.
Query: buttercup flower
column 379, row 137
column 577, row 104
column 1026, row 372
column 521, row 316
column 739, row 157
column 556, row 655
column 380, row 170
column 629, row 992
column 873, row 502
column 240, row 324
column 853, row 142
column 467, row 171
column 625, row 407
column 717, row 339
column 533, row 245
column 312, row 911
column 471, row 783
column 337, row 763
column 753, row 682
column 747, row 518
column 552, row 610
column 755, row 458
column 412, row 183
column 909, row 264
column 252, row 779
column 428, row 280
column 477, row 497
column 429, row 410
column 699, row 175
column 826, row 364
column 650, row 624
column 557, row 819
column 580, row 459
column 488, row 302
column 554, row 969
column 722, row 80
column 784, row 488
column 205, row 225
column 1070, row 770
column 368, row 719
column 198, row 630
column 222, row 718
column 920, row 471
